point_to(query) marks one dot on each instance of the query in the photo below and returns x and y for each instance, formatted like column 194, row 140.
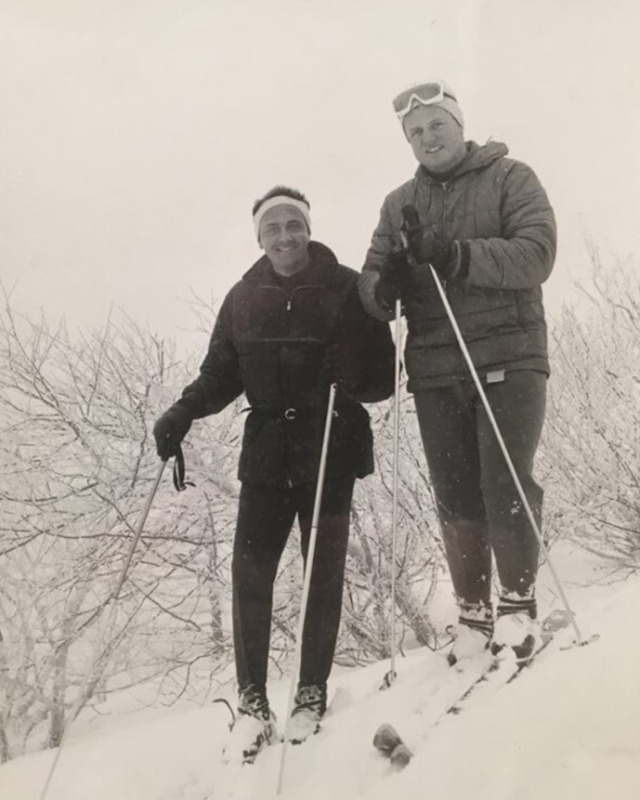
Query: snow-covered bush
column 78, row 462
column 590, row 453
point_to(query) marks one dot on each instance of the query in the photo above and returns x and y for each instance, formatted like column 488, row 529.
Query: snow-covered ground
column 567, row 729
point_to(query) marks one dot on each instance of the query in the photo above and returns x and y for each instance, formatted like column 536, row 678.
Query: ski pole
column 138, row 531
column 391, row 674
column 113, row 596
column 307, row 578
column 505, row 452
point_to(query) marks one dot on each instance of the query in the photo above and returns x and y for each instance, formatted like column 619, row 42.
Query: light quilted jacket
column 498, row 206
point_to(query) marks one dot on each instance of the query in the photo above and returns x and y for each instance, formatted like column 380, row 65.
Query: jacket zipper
column 289, row 295
column 445, row 186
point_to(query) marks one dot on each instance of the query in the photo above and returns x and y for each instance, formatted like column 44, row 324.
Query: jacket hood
column 478, row 156
column 323, row 268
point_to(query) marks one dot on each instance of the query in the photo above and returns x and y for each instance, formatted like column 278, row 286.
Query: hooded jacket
column 499, row 208
column 270, row 341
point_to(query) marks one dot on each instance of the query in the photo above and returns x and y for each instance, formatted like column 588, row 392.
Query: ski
column 503, row 671
column 485, row 673
column 500, row 672
column 388, row 742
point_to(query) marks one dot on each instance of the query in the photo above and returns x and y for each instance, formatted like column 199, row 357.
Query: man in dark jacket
column 484, row 223
column 291, row 326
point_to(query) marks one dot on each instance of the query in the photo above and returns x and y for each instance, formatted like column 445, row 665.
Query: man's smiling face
column 284, row 237
column 435, row 137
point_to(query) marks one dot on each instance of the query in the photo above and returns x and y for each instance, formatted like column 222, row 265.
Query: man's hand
column 170, row 430
column 450, row 259
column 441, row 254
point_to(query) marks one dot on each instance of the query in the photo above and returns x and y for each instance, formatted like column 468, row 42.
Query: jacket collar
column 478, row 157
column 323, row 269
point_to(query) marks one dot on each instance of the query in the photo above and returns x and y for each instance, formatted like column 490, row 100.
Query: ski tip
column 386, row 739
column 400, row 756
column 386, row 727
column 388, row 742
column 385, row 733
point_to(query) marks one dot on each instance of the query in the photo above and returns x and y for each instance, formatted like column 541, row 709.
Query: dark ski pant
column 265, row 517
column 478, row 504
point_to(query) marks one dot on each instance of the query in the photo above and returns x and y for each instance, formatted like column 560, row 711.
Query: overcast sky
column 136, row 134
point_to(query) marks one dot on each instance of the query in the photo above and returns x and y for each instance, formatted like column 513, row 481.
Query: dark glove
column 170, row 430
column 441, row 254
column 450, row 259
column 339, row 368
column 395, row 275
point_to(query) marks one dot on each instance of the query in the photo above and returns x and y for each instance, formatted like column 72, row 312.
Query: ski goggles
column 426, row 94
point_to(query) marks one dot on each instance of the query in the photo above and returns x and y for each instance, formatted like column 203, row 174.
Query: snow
column 566, row 729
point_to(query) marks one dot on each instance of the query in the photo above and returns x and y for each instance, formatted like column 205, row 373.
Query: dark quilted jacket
column 498, row 206
column 269, row 342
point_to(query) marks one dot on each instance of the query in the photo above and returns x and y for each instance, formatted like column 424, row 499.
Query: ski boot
column 310, row 706
column 473, row 635
column 253, row 729
column 517, row 626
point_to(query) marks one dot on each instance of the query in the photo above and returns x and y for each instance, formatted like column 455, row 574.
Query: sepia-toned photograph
column 319, row 399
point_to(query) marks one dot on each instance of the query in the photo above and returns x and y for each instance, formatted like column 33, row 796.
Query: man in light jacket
column 483, row 221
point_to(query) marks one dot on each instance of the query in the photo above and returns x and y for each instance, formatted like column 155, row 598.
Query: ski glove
column 450, row 259
column 395, row 274
column 170, row 430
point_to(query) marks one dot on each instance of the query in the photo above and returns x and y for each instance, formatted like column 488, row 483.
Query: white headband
column 280, row 200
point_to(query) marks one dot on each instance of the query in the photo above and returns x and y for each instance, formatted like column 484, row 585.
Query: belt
column 289, row 413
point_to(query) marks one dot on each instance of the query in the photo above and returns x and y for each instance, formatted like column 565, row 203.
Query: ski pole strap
column 178, row 472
